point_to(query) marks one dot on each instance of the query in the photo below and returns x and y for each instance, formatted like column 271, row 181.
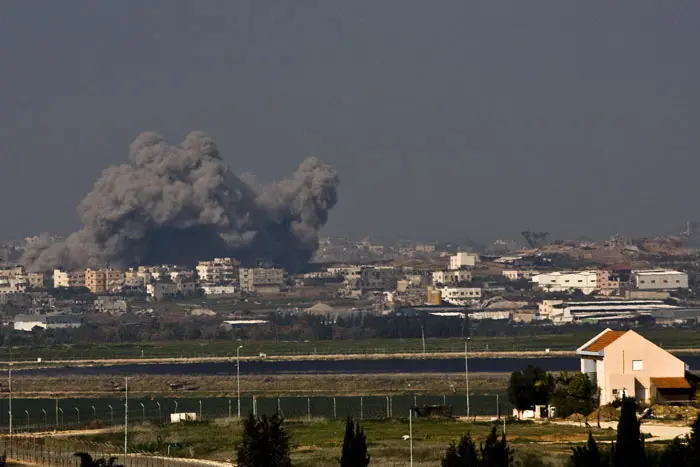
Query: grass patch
column 318, row 442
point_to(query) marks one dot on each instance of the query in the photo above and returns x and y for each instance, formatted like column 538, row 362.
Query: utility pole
column 422, row 332
column 238, row 378
column 410, row 433
column 10, row 397
column 466, row 372
column 126, row 415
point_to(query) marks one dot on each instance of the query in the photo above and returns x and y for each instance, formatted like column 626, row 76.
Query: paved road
column 657, row 431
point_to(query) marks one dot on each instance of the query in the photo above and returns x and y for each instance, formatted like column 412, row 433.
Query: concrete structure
column 162, row 290
column 463, row 260
column 111, row 305
column 48, row 321
column 565, row 281
column 565, row 312
column 451, row 277
column 625, row 364
column 515, row 274
column 607, row 282
column 261, row 280
column 218, row 289
column 460, row 296
column 40, row 280
column 659, row 279
column 372, row 278
column 219, row 271
column 12, row 286
column 96, row 280
column 68, row 278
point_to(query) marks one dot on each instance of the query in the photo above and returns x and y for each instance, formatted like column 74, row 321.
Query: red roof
column 603, row 341
column 670, row 383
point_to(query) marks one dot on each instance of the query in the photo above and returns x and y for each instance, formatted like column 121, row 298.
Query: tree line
column 266, row 444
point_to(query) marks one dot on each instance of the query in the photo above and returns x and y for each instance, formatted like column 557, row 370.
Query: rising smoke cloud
column 180, row 204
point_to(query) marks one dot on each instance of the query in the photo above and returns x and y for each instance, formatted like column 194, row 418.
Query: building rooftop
column 603, row 340
column 670, row 383
column 656, row 272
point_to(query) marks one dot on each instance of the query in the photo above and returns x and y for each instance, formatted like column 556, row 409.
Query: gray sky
column 442, row 118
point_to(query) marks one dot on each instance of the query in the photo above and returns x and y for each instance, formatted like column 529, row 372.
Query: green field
column 317, row 443
column 677, row 338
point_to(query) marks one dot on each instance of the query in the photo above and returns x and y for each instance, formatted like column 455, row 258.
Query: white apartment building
column 463, row 259
column 68, row 278
column 451, row 277
column 564, row 281
column 219, row 271
column 218, row 289
column 261, row 279
column 460, row 296
column 659, row 279
column 515, row 274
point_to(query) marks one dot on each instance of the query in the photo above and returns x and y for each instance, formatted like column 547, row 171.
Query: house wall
column 619, row 366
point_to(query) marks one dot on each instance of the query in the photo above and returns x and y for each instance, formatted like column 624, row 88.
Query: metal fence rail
column 35, row 415
column 53, row 453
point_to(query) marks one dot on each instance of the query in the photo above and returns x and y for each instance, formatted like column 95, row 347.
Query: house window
column 637, row 365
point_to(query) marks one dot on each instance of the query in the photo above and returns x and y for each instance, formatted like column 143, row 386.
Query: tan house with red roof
column 623, row 363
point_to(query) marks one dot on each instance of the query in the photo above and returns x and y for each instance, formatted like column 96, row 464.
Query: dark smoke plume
column 180, row 204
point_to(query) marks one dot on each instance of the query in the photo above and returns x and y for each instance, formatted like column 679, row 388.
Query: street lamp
column 143, row 413
column 94, row 412
column 238, row 377
column 46, row 418
column 175, row 406
column 111, row 414
column 466, row 370
column 160, row 418
column 27, row 412
column 77, row 410
column 62, row 420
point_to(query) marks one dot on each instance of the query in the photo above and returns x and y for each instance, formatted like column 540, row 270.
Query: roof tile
column 670, row 383
column 603, row 341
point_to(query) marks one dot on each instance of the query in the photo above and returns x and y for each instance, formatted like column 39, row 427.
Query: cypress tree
column 629, row 449
column 588, row 455
column 264, row 443
column 354, row 452
column 495, row 452
column 462, row 455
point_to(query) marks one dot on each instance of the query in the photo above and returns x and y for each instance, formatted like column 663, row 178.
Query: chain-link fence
column 61, row 453
column 33, row 415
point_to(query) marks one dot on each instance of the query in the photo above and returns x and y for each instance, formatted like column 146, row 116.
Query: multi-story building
column 608, row 283
column 68, row 278
column 96, row 280
column 565, row 281
column 261, row 280
column 219, row 271
column 372, row 278
column 460, row 296
column 40, row 280
column 659, row 279
column 463, row 260
column 451, row 277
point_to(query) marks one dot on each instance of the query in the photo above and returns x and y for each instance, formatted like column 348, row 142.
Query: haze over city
column 451, row 119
